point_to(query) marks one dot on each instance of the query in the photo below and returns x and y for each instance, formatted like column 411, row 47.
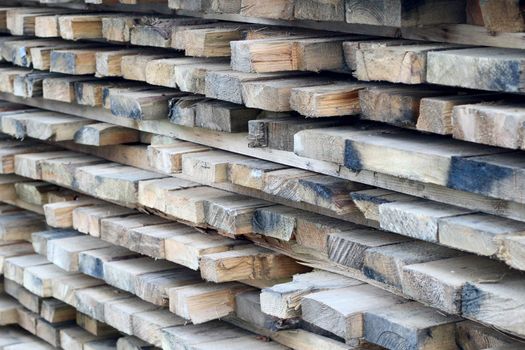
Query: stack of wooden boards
column 288, row 174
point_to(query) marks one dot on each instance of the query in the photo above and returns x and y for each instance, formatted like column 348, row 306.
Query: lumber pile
column 288, row 174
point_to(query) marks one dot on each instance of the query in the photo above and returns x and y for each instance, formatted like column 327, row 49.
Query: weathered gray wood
column 92, row 262
column 497, row 304
column 489, row 124
column 417, row 219
column 478, row 233
column 340, row 311
column 385, row 263
column 348, row 248
column 284, row 300
column 440, row 283
column 478, row 68
column 410, row 326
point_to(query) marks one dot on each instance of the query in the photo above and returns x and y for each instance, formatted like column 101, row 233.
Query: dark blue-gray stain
column 476, row 176
column 352, row 158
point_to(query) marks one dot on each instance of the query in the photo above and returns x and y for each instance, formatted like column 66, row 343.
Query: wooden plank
column 478, row 233
column 398, row 14
column 352, row 48
column 385, row 263
column 284, row 300
column 53, row 127
column 116, row 229
column 65, row 288
column 274, row 95
column 29, row 165
column 38, row 279
column 286, row 223
column 216, row 80
column 289, row 54
column 342, row 311
column 157, row 33
column 22, row 21
column 396, row 64
column 93, row 326
column 435, row 113
column 188, row 249
column 195, row 302
column 60, row 214
column 440, row 283
column 482, row 68
column 167, row 158
column 435, row 148
column 165, row 71
column 133, row 67
column 496, row 125
column 484, row 302
column 193, row 335
column 20, row 225
column 149, row 240
column 74, row 61
column 337, row 99
column 123, row 273
column 51, row 332
column 88, row 219
column 114, row 182
column 108, row 62
column 41, row 55
column 153, row 287
column 118, row 28
column 91, row 92
column 232, row 215
column 36, row 193
column 75, row 27
column 7, row 78
column 55, row 311
column 417, row 219
column 91, row 262
column 190, row 204
column 208, row 167
column 148, row 325
column 65, row 252
column 119, row 313
column 75, row 338
column 277, row 9
column 222, row 116
column 62, row 89
column 103, row 134
column 91, row 301
column 410, row 325
column 152, row 193
column 40, row 239
column 399, row 106
column 473, row 335
column 278, row 133
column 248, row 263
column 142, row 105
column 13, row 268
column 250, row 172
column 31, row 84
column 348, row 248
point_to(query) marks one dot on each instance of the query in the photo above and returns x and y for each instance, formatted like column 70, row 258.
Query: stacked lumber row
column 260, row 81
column 294, row 188
column 64, row 248
column 367, row 292
column 265, row 50
column 33, row 275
